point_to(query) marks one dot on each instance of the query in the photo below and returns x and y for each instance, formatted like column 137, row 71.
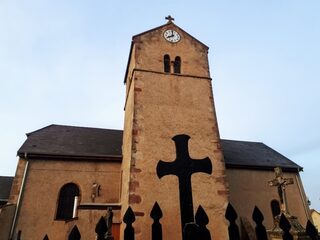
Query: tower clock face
column 171, row 36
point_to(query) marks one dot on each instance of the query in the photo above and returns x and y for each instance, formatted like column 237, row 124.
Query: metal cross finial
column 280, row 182
column 170, row 19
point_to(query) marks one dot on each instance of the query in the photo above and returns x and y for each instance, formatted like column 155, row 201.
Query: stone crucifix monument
column 297, row 231
column 281, row 183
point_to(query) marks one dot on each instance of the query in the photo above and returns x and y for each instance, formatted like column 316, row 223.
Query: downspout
column 303, row 196
column 19, row 198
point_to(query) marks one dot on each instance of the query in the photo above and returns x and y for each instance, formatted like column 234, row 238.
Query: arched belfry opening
column 177, row 65
column 166, row 63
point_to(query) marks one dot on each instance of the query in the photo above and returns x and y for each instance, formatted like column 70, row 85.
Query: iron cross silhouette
column 183, row 167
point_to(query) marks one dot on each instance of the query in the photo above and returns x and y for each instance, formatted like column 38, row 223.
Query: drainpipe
column 19, row 197
column 75, row 207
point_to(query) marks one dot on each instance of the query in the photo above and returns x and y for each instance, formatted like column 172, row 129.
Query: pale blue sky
column 63, row 62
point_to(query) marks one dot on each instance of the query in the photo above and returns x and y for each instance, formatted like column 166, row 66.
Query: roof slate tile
column 96, row 142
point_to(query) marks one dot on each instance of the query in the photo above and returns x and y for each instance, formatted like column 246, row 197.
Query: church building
column 169, row 152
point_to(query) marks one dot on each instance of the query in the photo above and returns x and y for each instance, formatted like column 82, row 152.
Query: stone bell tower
column 171, row 145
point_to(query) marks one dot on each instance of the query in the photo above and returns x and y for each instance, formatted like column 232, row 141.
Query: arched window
column 66, row 201
column 166, row 62
column 275, row 208
column 177, row 65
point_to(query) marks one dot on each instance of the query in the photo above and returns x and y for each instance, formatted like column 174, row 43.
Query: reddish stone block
column 223, row 192
column 135, row 170
column 139, row 214
column 221, row 179
column 135, row 132
column 133, row 185
column 133, row 198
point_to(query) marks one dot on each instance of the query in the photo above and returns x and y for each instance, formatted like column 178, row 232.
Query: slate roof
column 5, row 187
column 254, row 155
column 70, row 141
column 77, row 142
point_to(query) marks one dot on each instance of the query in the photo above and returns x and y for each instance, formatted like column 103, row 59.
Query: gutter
column 13, row 226
column 111, row 158
column 263, row 168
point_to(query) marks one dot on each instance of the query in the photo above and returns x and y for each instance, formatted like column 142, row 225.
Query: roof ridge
column 38, row 130
column 71, row 126
column 246, row 141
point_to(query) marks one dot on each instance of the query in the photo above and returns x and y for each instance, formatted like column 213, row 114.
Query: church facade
column 169, row 152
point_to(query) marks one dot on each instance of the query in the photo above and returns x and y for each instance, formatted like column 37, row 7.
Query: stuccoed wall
column 40, row 195
column 249, row 188
column 315, row 218
column 6, row 218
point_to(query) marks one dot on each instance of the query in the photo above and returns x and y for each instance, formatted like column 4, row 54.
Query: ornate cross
column 183, row 167
column 280, row 182
column 169, row 18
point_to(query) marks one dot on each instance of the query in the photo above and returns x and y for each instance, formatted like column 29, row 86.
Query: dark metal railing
column 196, row 230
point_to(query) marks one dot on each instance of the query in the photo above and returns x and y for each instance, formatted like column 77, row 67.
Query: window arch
column 166, row 63
column 177, row 65
column 66, row 200
column 275, row 208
